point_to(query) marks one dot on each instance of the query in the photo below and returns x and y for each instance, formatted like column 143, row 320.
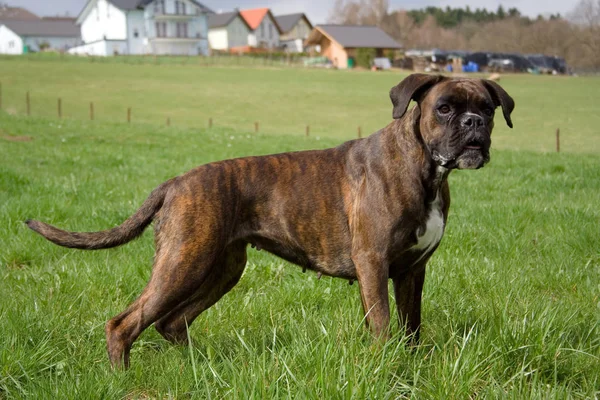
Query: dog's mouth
column 473, row 145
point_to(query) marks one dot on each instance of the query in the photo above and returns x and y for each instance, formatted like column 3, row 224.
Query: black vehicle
column 518, row 63
column 548, row 64
column 480, row 58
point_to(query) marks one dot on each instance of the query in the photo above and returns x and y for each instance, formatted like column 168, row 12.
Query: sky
column 316, row 10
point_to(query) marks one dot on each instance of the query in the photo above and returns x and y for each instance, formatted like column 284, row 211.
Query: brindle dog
column 370, row 209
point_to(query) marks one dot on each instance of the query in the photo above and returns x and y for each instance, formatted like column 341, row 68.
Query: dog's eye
column 488, row 111
column 444, row 109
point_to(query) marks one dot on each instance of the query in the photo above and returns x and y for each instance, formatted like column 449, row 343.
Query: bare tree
column 358, row 12
column 586, row 17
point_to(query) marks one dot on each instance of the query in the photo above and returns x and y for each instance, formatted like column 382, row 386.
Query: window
column 159, row 6
column 183, row 7
column 11, row 44
column 182, row 29
column 262, row 30
column 270, row 31
column 136, row 33
column 161, row 29
column 176, row 7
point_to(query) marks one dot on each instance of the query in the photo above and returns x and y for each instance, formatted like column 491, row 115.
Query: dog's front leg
column 407, row 290
column 372, row 274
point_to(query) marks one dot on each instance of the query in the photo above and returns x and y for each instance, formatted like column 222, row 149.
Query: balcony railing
column 170, row 37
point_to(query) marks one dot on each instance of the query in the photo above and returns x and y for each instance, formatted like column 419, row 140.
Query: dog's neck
column 411, row 146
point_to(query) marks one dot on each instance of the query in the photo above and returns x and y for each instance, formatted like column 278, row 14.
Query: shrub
column 364, row 57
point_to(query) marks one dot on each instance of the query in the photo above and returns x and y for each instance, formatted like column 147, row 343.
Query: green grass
column 283, row 100
column 511, row 305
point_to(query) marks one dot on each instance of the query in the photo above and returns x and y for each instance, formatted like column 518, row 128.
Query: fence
column 217, row 59
column 128, row 114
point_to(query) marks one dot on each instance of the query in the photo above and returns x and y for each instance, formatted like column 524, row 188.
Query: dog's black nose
column 470, row 120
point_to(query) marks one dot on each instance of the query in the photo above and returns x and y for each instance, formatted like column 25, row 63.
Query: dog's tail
column 126, row 232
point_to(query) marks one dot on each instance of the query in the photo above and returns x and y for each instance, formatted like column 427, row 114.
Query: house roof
column 287, row 22
column 17, row 13
column 224, row 19
column 143, row 3
column 254, row 16
column 42, row 27
column 354, row 36
column 127, row 5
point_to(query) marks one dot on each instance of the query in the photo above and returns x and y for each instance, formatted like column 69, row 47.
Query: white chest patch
column 434, row 229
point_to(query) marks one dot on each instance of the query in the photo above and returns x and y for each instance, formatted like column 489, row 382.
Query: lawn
column 282, row 100
column 511, row 305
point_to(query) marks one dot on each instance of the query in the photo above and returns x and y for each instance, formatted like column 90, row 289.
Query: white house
column 228, row 31
column 264, row 28
column 18, row 36
column 175, row 27
column 295, row 29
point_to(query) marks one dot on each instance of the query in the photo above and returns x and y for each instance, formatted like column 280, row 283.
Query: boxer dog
column 369, row 210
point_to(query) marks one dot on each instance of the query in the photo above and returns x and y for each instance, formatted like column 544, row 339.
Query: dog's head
column 456, row 116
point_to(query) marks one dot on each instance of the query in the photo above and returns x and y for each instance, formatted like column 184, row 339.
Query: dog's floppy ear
column 501, row 98
column 411, row 88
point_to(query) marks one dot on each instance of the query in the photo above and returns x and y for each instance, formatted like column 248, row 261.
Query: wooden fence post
column 256, row 127
column 557, row 140
column 307, row 130
column 168, row 121
column 28, row 101
column 359, row 133
column 210, row 122
column 59, row 108
column 129, row 115
column 91, row 111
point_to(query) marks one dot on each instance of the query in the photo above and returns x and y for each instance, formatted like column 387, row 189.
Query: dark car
column 548, row 64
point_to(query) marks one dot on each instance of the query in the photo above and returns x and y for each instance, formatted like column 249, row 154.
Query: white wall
column 234, row 35
column 175, row 48
column 10, row 42
column 101, row 48
column 293, row 46
column 56, row 43
column 217, row 39
column 136, row 23
column 104, row 21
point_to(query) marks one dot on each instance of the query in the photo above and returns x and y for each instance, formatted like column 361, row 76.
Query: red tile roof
column 254, row 17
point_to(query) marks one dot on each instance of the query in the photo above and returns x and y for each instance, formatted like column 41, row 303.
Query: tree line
column 575, row 37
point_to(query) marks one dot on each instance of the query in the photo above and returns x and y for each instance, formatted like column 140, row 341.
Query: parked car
column 501, row 65
column 548, row 64
column 518, row 63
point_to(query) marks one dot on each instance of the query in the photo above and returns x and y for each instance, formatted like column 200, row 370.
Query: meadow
column 511, row 305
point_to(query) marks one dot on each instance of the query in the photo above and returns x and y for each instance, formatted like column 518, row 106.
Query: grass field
column 511, row 304
column 283, row 100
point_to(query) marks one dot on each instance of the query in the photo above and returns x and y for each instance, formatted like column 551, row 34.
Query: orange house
column 339, row 43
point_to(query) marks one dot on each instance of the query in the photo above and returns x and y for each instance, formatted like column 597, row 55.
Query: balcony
column 176, row 39
column 180, row 16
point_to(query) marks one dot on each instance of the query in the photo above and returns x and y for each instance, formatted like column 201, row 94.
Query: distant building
column 228, row 31
column 23, row 32
column 172, row 27
column 16, row 13
column 339, row 43
column 264, row 30
column 295, row 29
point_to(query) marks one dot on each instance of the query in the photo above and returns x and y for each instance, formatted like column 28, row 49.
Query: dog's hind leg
column 172, row 279
column 223, row 276
column 185, row 256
